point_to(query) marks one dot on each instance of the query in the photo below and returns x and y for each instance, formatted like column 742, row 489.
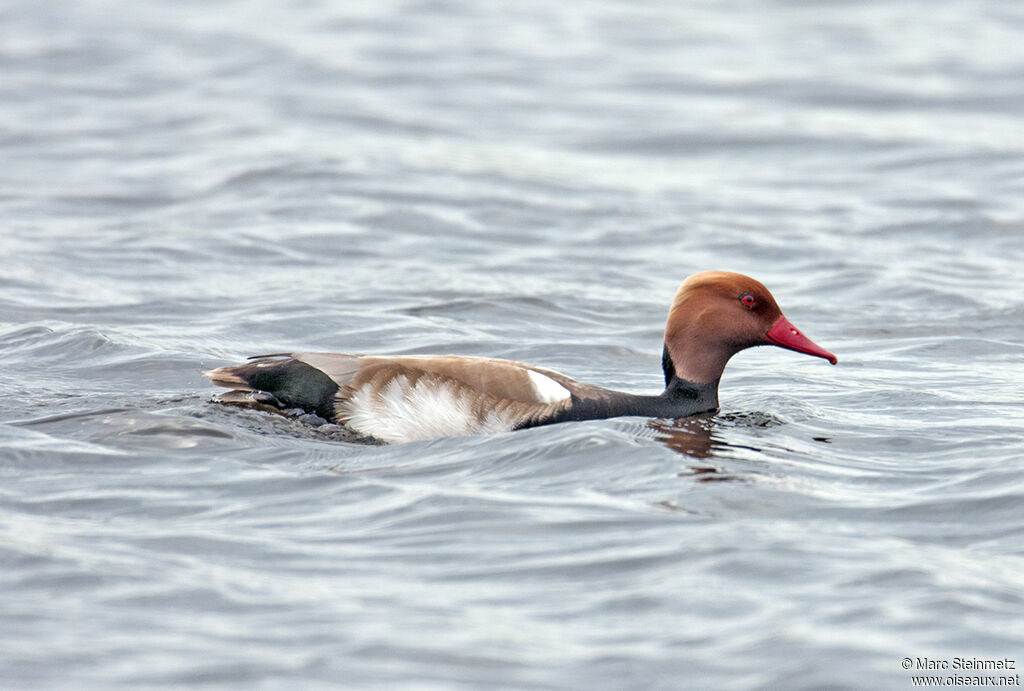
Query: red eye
column 748, row 299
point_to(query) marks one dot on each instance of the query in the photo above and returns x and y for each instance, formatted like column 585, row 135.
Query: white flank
column 401, row 412
column 547, row 389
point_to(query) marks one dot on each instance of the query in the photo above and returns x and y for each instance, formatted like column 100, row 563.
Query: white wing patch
column 401, row 412
column 547, row 389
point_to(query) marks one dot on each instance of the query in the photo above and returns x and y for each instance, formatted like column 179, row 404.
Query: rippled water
column 186, row 185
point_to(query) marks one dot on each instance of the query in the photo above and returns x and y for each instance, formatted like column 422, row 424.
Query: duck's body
column 412, row 397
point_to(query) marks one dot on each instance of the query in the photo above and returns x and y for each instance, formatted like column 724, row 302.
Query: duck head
column 716, row 314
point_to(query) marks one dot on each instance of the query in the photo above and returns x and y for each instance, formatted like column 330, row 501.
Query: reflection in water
column 691, row 435
column 696, row 437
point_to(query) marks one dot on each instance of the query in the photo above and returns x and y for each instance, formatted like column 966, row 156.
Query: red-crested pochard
column 402, row 398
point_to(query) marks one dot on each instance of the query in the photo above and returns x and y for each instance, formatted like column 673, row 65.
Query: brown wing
column 503, row 379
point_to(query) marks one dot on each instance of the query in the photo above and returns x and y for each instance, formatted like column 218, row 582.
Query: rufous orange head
column 716, row 314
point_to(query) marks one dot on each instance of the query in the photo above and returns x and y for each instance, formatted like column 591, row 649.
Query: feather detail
column 403, row 408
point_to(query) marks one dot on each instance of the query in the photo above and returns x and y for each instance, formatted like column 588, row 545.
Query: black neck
column 683, row 393
column 681, row 398
column 668, row 367
column 693, row 396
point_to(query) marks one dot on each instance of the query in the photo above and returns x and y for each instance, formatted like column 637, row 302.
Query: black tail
column 292, row 383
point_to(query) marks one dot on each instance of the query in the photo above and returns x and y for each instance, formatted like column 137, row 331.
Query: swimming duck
column 714, row 315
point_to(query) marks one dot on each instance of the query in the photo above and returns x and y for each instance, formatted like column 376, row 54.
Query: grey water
column 186, row 184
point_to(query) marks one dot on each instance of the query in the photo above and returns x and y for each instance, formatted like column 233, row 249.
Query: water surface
column 186, row 185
